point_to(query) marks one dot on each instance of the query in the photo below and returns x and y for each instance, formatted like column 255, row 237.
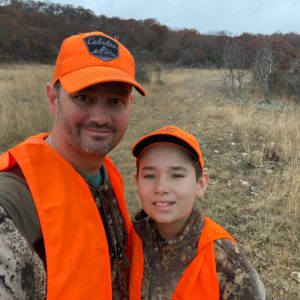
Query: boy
column 178, row 253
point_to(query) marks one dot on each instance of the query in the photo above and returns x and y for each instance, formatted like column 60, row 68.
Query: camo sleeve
column 22, row 273
column 238, row 279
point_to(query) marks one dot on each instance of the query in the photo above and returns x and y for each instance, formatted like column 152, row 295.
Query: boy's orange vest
column 199, row 280
column 78, row 262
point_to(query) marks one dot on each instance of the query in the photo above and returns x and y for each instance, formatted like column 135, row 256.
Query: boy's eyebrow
column 175, row 168
column 179, row 168
column 148, row 168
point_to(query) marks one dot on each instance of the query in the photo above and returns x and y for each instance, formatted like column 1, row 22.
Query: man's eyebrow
column 120, row 91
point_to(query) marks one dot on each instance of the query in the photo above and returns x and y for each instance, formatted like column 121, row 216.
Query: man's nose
column 100, row 115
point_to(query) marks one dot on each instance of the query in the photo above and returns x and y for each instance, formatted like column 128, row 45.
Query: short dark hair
column 57, row 87
column 197, row 167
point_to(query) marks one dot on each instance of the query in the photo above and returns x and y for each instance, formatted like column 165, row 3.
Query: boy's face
column 168, row 187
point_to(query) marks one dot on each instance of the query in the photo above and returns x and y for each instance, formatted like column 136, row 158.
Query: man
column 64, row 224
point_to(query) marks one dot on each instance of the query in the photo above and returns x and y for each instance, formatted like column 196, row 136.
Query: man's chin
column 96, row 149
column 97, row 145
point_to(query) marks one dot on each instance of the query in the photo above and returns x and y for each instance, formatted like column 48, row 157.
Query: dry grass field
column 251, row 152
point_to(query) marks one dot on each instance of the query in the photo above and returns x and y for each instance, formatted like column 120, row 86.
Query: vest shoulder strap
column 212, row 231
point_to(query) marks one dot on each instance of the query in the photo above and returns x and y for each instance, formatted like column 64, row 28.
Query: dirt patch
column 239, row 174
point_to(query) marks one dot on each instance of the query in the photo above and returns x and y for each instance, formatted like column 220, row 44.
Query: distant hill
column 33, row 31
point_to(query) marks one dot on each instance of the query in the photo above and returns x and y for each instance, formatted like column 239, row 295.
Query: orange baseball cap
column 94, row 57
column 169, row 134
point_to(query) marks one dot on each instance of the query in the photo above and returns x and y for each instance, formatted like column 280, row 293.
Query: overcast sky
column 206, row 16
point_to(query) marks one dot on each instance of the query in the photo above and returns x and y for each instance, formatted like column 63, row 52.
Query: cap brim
column 85, row 77
column 161, row 138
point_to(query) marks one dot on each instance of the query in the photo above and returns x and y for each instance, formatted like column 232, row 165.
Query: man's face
column 94, row 120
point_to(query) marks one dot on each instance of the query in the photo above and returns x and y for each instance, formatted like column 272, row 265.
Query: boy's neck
column 171, row 231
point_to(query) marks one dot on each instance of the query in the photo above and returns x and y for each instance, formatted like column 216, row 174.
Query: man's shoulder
column 22, row 272
column 12, row 187
column 16, row 200
column 12, row 176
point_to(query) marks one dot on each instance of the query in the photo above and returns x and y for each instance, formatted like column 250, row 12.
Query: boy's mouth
column 164, row 203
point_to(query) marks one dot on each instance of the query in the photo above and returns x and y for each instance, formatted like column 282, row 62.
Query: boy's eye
column 177, row 175
column 148, row 176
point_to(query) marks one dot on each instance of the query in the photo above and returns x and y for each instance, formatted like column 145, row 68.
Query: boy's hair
column 175, row 135
column 197, row 167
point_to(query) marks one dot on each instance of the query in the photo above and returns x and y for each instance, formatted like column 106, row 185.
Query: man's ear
column 202, row 184
column 52, row 97
column 132, row 97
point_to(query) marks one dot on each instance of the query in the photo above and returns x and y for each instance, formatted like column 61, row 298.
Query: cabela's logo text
column 102, row 47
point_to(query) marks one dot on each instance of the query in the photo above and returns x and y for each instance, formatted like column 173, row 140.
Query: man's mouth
column 94, row 127
column 97, row 130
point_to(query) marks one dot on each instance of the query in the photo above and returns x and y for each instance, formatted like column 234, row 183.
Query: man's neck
column 87, row 165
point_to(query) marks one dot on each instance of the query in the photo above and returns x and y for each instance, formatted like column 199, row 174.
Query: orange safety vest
column 199, row 280
column 77, row 255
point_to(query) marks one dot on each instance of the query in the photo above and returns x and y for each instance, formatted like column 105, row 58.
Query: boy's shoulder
column 237, row 276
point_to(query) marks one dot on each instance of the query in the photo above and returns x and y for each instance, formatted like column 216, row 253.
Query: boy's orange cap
column 94, row 57
column 170, row 134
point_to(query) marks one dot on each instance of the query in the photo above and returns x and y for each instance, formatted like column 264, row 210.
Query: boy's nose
column 162, row 186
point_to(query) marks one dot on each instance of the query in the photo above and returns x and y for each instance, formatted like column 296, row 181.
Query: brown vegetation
column 251, row 152
column 32, row 31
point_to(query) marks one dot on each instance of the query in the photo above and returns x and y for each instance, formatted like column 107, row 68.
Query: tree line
column 32, row 31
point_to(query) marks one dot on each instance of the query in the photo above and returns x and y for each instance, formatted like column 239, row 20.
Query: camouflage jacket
column 22, row 253
column 165, row 261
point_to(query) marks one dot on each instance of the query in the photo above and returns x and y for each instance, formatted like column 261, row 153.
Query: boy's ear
column 136, row 177
column 202, row 185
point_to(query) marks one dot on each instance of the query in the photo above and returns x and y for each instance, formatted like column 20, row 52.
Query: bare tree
column 263, row 68
column 293, row 78
column 235, row 63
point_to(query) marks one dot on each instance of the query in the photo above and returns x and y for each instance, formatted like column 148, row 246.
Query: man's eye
column 116, row 103
column 85, row 99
